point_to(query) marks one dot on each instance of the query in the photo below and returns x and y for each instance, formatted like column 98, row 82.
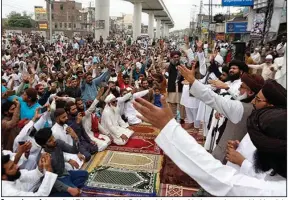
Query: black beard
column 113, row 75
column 82, row 109
column 61, row 123
column 234, row 77
column 41, row 93
column 264, row 162
column 74, row 114
column 14, row 177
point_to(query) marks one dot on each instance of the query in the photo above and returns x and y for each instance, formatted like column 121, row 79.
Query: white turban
column 269, row 57
column 219, row 59
column 109, row 98
column 138, row 65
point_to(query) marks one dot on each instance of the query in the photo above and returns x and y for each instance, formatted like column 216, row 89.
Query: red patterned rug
column 168, row 190
column 171, row 174
column 147, row 130
column 138, row 144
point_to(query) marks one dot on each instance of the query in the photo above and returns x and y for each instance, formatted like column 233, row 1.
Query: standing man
column 175, row 86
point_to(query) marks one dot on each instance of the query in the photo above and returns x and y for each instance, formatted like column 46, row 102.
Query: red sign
column 220, row 36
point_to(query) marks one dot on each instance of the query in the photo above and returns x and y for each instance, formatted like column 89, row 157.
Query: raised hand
column 100, row 93
column 189, row 75
column 158, row 117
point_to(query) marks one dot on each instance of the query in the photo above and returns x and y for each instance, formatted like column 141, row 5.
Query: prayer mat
column 94, row 161
column 171, row 174
column 133, row 161
column 138, row 144
column 143, row 129
column 99, row 192
column 168, row 190
column 122, row 180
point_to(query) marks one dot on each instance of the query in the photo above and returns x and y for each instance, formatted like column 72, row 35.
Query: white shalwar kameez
column 129, row 110
column 204, row 111
column 191, row 106
column 233, row 92
column 103, row 141
column 115, row 126
column 214, row 177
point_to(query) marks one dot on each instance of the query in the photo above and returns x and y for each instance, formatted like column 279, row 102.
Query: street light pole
column 50, row 20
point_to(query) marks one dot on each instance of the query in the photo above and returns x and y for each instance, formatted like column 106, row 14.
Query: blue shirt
column 157, row 100
column 89, row 91
column 25, row 111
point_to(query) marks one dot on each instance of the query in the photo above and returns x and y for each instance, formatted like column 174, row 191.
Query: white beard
column 241, row 97
column 115, row 109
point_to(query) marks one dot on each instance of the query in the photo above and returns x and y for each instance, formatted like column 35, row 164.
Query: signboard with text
column 237, row 2
column 236, row 27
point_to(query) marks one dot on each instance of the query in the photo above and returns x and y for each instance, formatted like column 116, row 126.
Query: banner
column 236, row 27
column 100, row 24
column 258, row 25
column 237, row 2
column 43, row 26
column 40, row 13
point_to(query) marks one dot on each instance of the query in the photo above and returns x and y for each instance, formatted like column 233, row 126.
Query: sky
column 180, row 10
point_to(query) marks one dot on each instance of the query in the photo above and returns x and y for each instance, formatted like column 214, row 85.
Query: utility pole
column 200, row 18
column 50, row 20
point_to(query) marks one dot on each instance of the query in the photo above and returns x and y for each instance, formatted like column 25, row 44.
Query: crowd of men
column 63, row 102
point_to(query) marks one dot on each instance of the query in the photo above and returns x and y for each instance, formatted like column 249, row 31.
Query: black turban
column 173, row 53
column 241, row 65
column 275, row 93
column 267, row 128
column 253, row 81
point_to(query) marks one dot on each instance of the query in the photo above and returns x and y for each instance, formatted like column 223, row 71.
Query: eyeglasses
column 257, row 99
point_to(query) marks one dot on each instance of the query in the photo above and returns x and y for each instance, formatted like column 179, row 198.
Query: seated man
column 61, row 131
column 15, row 181
column 91, row 123
column 68, row 182
column 86, row 146
column 113, row 123
column 129, row 110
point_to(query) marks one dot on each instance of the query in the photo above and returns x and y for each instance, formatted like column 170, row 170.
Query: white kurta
column 87, row 124
column 129, row 110
column 281, row 74
column 204, row 110
column 18, row 187
column 214, row 177
column 266, row 72
column 234, row 92
column 115, row 126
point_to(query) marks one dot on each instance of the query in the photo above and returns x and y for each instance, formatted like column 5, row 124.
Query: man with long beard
column 175, row 86
column 113, row 123
column 229, row 90
column 14, row 179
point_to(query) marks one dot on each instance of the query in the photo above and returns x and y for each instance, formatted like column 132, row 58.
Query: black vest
column 173, row 75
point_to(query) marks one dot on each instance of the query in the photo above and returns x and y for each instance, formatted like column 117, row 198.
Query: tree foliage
column 17, row 20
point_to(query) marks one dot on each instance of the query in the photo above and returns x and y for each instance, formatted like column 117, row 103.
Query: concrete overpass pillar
column 163, row 30
column 151, row 26
column 137, row 20
column 158, row 27
column 102, row 9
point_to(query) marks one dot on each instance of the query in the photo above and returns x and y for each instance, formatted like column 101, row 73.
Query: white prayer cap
column 219, row 59
column 256, row 49
column 138, row 65
column 109, row 98
column 269, row 57
column 129, row 89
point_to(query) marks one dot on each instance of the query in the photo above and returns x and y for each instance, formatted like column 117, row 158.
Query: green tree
column 15, row 19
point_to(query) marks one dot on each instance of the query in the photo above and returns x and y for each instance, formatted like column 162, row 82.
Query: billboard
column 236, row 27
column 40, row 13
column 237, row 2
column 258, row 25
